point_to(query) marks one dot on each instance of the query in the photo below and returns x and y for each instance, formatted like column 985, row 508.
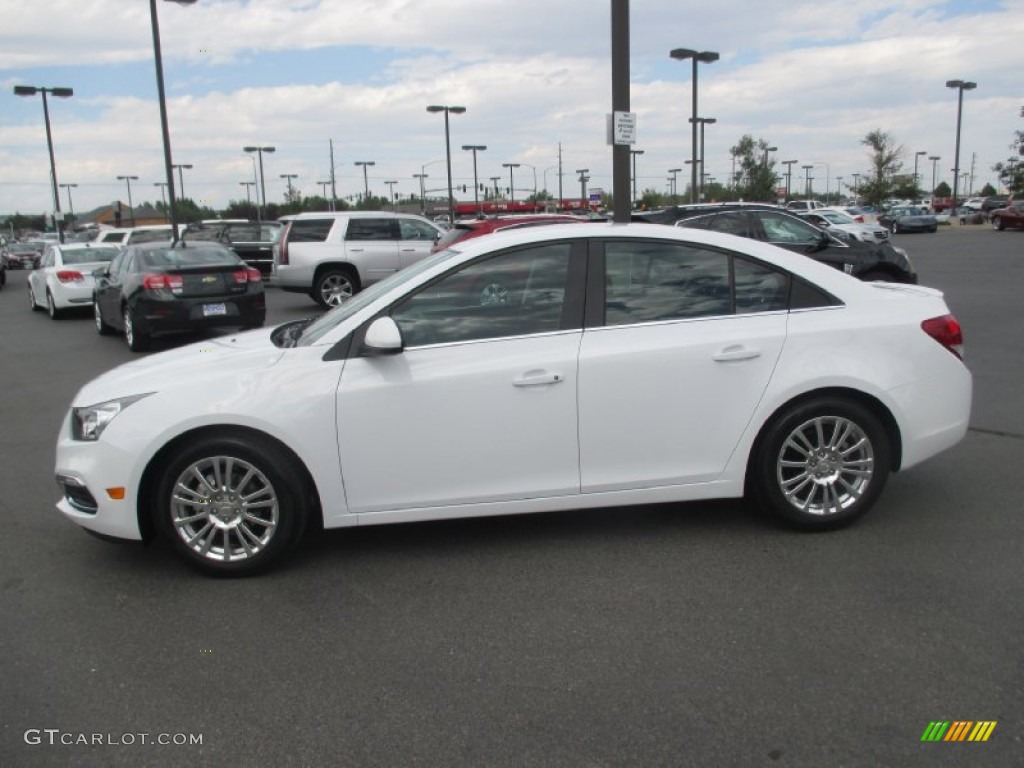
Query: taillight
column 247, row 275
column 282, row 244
column 859, row 219
column 946, row 331
column 69, row 276
column 157, row 282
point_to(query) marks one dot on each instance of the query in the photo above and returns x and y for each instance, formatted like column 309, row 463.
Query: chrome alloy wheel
column 224, row 509
column 825, row 465
column 335, row 290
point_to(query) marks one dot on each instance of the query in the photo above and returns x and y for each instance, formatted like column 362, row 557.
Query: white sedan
column 64, row 278
column 549, row 368
column 833, row 218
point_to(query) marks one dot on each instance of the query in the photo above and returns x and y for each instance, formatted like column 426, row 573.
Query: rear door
column 417, row 240
column 372, row 245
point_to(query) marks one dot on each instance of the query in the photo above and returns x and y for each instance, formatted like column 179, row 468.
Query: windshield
column 837, row 218
column 363, row 299
column 88, row 255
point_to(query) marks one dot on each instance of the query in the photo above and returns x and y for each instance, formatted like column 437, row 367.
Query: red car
column 463, row 230
column 1010, row 217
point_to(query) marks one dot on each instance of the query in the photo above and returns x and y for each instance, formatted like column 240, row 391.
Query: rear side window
column 412, row 229
column 371, row 229
column 309, row 230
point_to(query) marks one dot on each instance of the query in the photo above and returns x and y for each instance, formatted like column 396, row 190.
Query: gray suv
column 332, row 256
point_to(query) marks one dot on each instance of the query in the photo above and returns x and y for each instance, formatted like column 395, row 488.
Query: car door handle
column 408, row 250
column 736, row 352
column 538, row 379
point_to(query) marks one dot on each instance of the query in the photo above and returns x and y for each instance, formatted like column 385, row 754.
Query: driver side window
column 781, row 229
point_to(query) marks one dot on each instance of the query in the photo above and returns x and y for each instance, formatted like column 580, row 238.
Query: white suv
column 332, row 256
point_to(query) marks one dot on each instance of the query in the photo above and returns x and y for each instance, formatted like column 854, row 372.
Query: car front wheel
column 32, row 298
column 101, row 325
column 821, row 464
column 895, row 228
column 997, row 223
column 137, row 341
column 51, row 307
column 231, row 505
column 333, row 287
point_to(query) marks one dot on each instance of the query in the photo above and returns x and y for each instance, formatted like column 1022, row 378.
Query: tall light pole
column 675, row 178
column 935, row 159
column 71, row 208
column 696, row 56
column 474, row 148
column 807, row 180
column 366, row 179
column 259, row 150
column 700, row 160
column 391, row 191
column 165, row 130
column 324, row 185
column 248, row 192
column 181, row 180
column 583, row 186
column 856, row 186
column 448, row 150
column 163, row 196
column 634, row 153
column 961, row 86
column 131, row 208
column 839, row 187
column 495, row 179
column 288, row 179
column 423, row 191
column 917, row 179
column 511, row 180
column 789, row 173
column 60, row 93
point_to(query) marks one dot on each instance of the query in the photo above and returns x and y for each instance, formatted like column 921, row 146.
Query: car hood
column 207, row 360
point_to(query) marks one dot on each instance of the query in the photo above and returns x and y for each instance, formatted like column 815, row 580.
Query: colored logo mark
column 958, row 730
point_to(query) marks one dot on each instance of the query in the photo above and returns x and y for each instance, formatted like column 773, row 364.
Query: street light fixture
column 423, row 191
column 961, row 86
column 675, row 180
column 702, row 121
column 366, row 179
column 511, row 180
column 935, row 159
column 764, row 162
column 495, row 179
column 263, row 184
column 391, row 192
column 474, row 148
column 71, row 208
column 856, row 186
column 163, row 195
column 706, row 57
column 131, row 208
column 789, row 173
column 583, row 186
column 448, row 151
column 807, row 180
column 634, row 153
column 165, row 130
column 288, row 178
column 248, row 192
column 181, row 181
column 917, row 179
column 60, row 93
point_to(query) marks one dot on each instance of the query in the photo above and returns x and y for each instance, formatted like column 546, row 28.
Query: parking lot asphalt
column 671, row 635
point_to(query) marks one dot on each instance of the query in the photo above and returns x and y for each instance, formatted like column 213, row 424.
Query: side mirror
column 383, row 337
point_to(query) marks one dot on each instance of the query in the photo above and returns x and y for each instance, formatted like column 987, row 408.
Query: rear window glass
column 185, row 257
column 87, row 255
column 370, row 229
column 149, row 235
column 310, row 230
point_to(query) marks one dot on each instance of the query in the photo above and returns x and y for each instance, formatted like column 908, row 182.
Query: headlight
column 88, row 422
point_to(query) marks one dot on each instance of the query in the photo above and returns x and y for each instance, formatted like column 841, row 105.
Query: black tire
column 137, row 341
column 334, row 286
column 32, row 299
column 51, row 308
column 895, row 227
column 877, row 276
column 997, row 222
column 208, row 523
column 102, row 327
column 811, row 479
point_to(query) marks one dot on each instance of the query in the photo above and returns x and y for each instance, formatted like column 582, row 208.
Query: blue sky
column 809, row 77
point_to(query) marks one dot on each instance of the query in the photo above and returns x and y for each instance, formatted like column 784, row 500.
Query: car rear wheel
column 821, row 464
column 102, row 328
column 32, row 298
column 137, row 342
column 997, row 223
column 334, row 286
column 51, row 307
column 895, row 228
column 231, row 506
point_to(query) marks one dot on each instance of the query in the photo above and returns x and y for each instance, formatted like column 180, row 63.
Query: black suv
column 773, row 224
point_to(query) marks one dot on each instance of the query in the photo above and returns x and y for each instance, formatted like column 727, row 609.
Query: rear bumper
column 153, row 316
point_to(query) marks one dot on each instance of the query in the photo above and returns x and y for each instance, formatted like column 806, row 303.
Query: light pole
column 131, row 208
column 248, row 192
column 675, row 181
column 324, row 185
column 448, row 151
column 511, row 180
column 696, row 56
column 263, row 184
column 71, row 208
column 634, row 153
column 474, row 148
column 935, row 159
column 423, row 192
column 839, row 188
column 856, row 186
column 496, row 179
column 165, row 130
column 60, row 93
column 391, row 192
column 703, row 121
column 288, row 179
column 163, row 196
column 917, row 179
column 583, row 186
column 764, row 160
column 366, row 179
column 807, row 180
column 789, row 173
column 961, row 86
column 181, row 181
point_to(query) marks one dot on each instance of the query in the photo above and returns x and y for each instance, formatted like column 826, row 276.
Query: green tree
column 885, row 157
column 943, row 190
column 1011, row 171
column 757, row 179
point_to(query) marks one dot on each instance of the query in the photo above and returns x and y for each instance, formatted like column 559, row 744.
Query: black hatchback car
column 155, row 288
column 775, row 225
